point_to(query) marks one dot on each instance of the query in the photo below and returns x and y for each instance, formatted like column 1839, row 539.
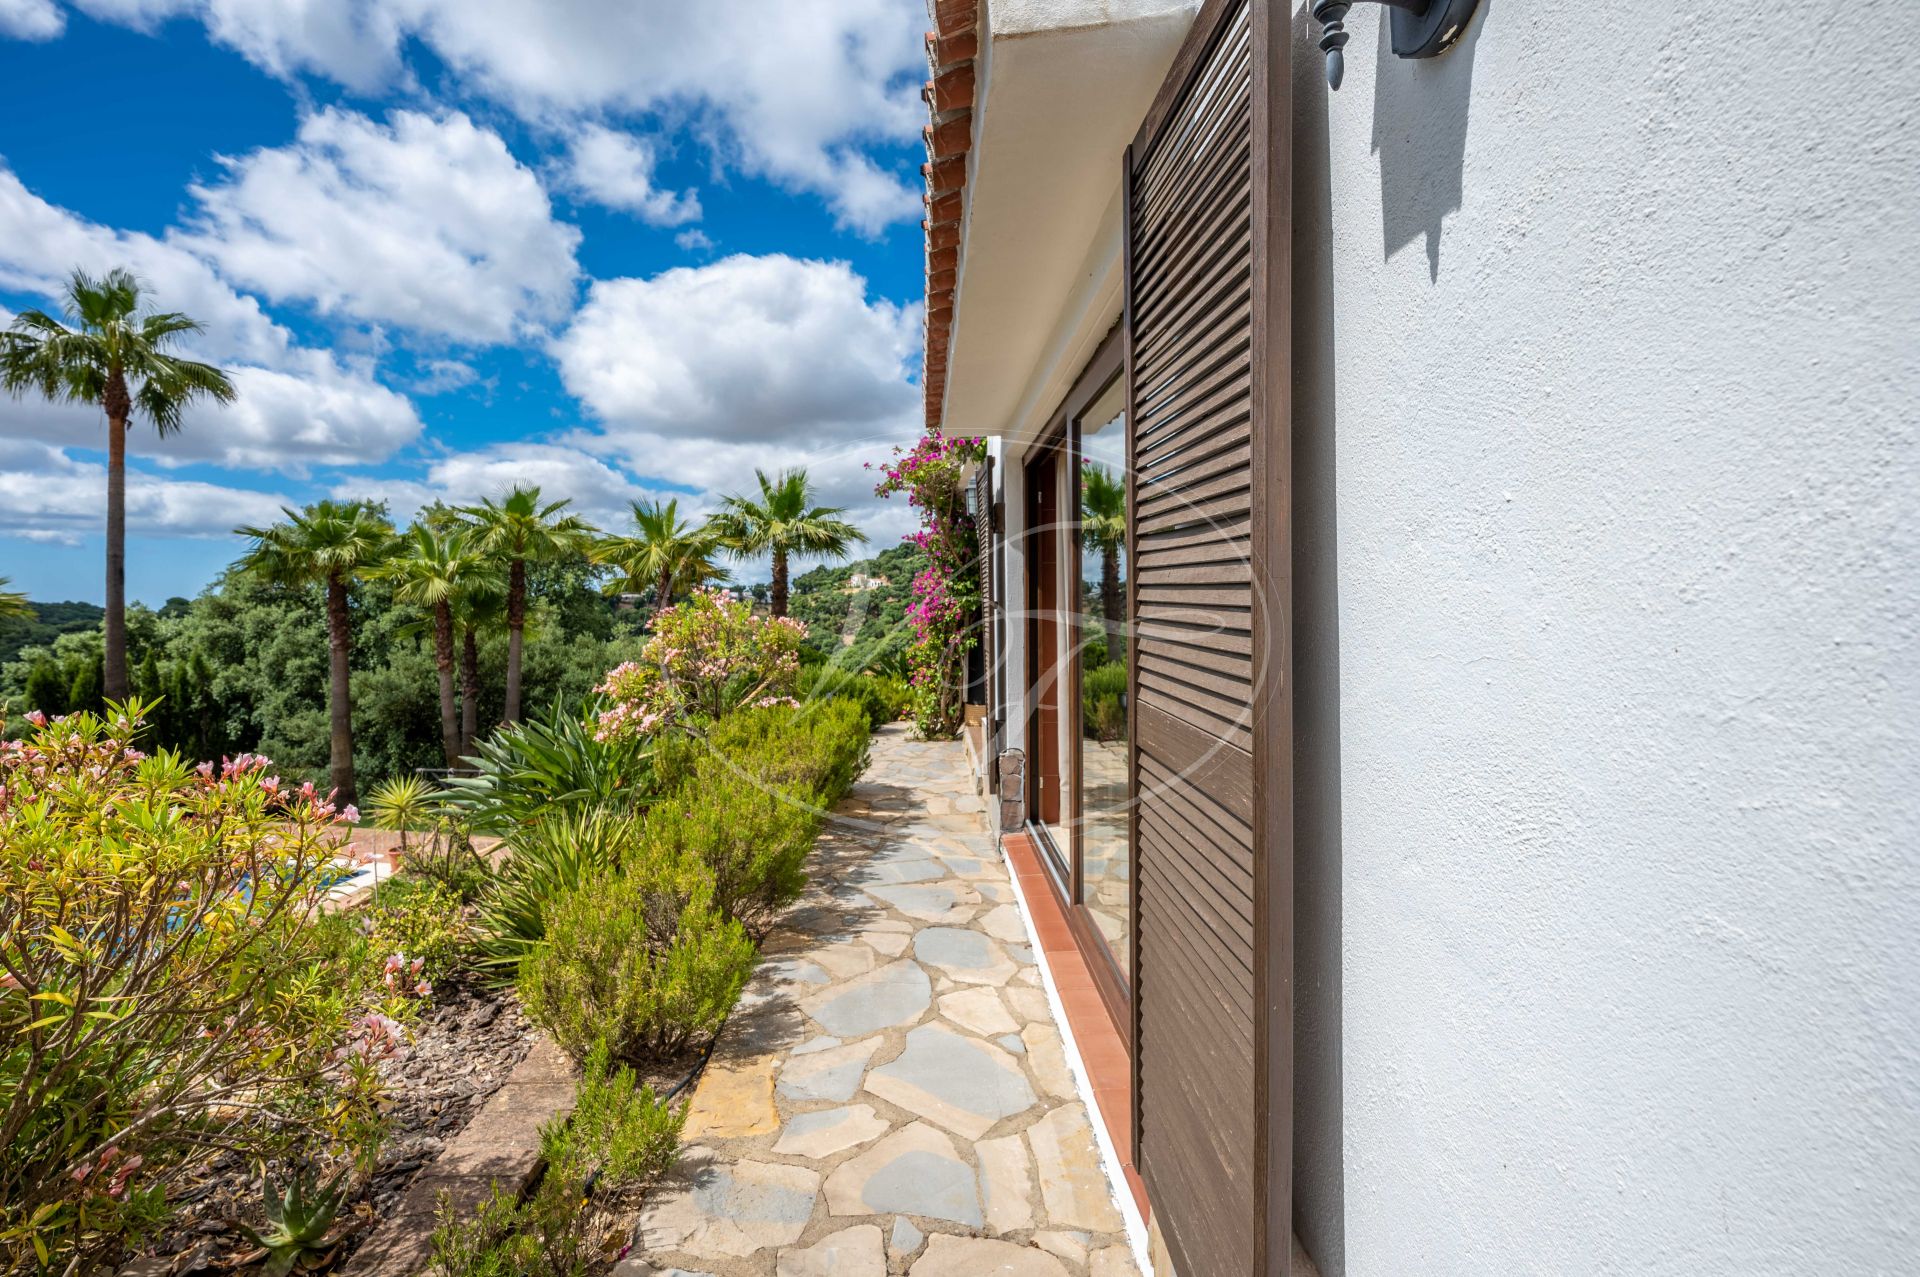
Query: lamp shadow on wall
column 1420, row 110
column 1319, row 1169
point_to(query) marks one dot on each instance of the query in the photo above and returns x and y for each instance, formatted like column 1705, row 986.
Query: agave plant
column 529, row 772
column 300, row 1219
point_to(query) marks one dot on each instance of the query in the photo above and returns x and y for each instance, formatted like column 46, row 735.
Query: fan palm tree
column 517, row 530
column 14, row 605
column 1103, row 530
column 427, row 573
column 783, row 522
column 114, row 355
column 330, row 544
column 668, row 556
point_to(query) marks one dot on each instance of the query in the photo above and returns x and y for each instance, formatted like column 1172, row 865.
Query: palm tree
column 114, row 355
column 329, row 544
column 479, row 606
column 668, row 556
column 518, row 530
column 784, row 522
column 427, row 573
column 13, row 605
column 1103, row 530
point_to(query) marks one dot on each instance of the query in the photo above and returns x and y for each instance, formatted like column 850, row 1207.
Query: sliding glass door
column 1080, row 705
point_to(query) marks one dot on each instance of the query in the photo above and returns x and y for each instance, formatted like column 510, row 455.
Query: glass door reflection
column 1101, row 802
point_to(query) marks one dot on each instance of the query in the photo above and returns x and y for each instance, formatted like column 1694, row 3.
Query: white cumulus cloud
column 743, row 349
column 791, row 90
column 46, row 495
column 599, row 491
column 615, row 169
column 427, row 223
column 298, row 406
column 31, row 19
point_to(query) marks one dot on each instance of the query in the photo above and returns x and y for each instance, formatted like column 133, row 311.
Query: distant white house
column 860, row 581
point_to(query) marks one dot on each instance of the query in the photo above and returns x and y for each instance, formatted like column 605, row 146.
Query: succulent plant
column 300, row 1219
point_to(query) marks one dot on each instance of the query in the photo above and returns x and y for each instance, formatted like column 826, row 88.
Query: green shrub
column 545, row 861
column 619, row 1138
column 487, row 1243
column 642, row 959
column 816, row 750
column 751, row 841
column 884, row 698
column 1103, row 701
column 448, row 857
column 618, row 1130
column 533, row 771
column 748, row 797
column 418, row 919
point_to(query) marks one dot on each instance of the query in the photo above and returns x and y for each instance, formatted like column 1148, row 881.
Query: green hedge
column 639, row 960
column 885, row 699
column 650, row 947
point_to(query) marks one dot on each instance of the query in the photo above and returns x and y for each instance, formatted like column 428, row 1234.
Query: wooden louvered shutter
column 1207, row 311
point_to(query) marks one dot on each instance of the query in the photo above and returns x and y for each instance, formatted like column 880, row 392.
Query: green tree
column 46, row 688
column 1103, row 530
column 783, row 521
column 517, row 530
column 428, row 573
column 668, row 554
column 331, row 544
column 14, row 605
column 115, row 355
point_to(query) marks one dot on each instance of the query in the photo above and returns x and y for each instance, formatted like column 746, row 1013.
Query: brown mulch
column 463, row 1048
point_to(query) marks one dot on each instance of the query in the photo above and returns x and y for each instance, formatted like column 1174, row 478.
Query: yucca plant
column 300, row 1219
column 406, row 804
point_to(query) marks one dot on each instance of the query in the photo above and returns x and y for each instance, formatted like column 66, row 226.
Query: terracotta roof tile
column 952, row 46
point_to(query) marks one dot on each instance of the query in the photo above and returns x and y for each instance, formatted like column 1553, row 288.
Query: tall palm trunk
column 339, row 641
column 516, row 628
column 469, row 689
column 443, row 657
column 663, row 592
column 119, row 406
column 779, row 603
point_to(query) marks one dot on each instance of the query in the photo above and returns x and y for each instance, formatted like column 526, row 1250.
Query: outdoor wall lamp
column 1421, row 29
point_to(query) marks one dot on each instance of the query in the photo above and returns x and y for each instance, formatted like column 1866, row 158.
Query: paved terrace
column 892, row 1095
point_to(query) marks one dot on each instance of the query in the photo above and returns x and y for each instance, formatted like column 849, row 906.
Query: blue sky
column 621, row 248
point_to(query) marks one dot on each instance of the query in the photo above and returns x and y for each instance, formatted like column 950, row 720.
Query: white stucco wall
column 1613, row 667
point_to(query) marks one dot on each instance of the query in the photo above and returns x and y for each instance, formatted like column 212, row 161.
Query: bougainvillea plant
column 946, row 593
column 164, row 993
column 708, row 656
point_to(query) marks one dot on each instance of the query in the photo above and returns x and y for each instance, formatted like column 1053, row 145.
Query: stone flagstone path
column 892, row 1096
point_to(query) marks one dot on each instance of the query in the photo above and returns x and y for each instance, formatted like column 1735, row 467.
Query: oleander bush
column 709, row 656
column 163, row 994
column 640, row 960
